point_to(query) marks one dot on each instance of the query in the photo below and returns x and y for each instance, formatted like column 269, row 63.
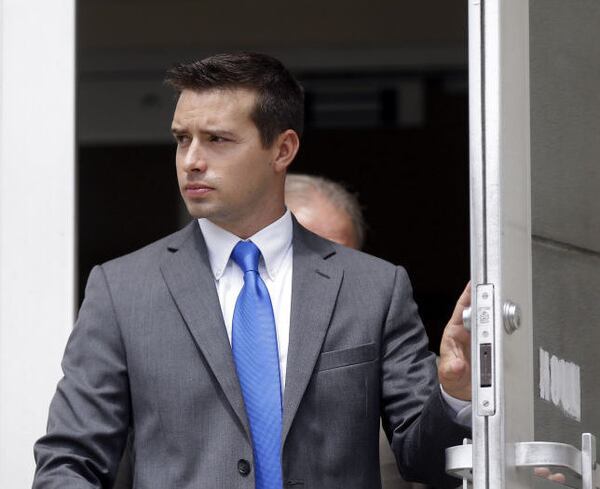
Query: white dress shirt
column 275, row 268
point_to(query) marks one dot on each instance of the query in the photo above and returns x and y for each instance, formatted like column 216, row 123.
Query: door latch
column 485, row 337
column 583, row 463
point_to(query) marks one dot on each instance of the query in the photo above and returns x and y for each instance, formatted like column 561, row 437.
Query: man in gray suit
column 156, row 350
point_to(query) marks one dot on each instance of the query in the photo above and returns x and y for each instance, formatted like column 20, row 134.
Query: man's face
column 224, row 172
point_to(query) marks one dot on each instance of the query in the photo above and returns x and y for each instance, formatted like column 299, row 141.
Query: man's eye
column 217, row 139
column 181, row 138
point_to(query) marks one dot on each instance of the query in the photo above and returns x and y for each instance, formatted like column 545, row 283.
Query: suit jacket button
column 244, row 467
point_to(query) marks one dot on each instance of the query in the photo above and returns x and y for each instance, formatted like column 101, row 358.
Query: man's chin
column 206, row 212
column 196, row 214
column 199, row 210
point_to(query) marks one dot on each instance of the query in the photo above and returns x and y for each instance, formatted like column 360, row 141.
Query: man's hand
column 546, row 473
column 454, row 368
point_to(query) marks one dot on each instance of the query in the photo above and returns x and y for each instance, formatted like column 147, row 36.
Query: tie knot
column 246, row 255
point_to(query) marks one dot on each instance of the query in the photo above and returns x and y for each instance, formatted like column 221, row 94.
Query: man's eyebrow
column 218, row 132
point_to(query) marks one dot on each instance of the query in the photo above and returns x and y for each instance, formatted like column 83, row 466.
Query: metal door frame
column 500, row 234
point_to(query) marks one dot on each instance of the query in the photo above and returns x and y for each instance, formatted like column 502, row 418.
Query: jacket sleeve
column 417, row 421
column 89, row 414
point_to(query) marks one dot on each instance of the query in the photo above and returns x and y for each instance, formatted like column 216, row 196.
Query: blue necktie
column 254, row 345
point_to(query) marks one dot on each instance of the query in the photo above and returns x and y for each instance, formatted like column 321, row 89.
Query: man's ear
column 286, row 147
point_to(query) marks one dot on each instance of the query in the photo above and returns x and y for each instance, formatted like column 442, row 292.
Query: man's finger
column 546, row 473
column 560, row 478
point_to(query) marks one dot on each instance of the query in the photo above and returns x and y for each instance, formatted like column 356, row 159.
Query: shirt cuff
column 462, row 409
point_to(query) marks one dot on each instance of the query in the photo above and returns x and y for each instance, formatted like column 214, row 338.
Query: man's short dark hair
column 280, row 98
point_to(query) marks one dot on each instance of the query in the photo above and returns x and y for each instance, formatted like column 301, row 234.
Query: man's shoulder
column 372, row 276
column 351, row 260
column 151, row 254
column 357, row 258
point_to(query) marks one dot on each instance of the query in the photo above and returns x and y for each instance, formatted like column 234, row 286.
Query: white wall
column 37, row 152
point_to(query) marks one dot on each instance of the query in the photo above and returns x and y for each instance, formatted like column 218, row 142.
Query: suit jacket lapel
column 315, row 285
column 188, row 275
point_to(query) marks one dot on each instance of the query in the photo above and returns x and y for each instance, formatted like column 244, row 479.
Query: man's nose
column 195, row 158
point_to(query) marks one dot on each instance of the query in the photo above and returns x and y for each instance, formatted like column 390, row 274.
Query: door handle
column 459, row 459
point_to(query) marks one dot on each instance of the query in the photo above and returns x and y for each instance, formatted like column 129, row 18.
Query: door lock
column 466, row 317
column 511, row 313
column 483, row 325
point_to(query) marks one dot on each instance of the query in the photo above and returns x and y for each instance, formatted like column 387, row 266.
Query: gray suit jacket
column 149, row 355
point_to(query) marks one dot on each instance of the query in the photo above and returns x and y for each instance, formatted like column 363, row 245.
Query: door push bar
column 459, row 459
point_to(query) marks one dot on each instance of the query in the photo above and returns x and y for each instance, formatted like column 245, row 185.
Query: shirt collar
column 273, row 242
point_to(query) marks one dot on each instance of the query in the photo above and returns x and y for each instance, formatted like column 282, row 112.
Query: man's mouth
column 197, row 190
